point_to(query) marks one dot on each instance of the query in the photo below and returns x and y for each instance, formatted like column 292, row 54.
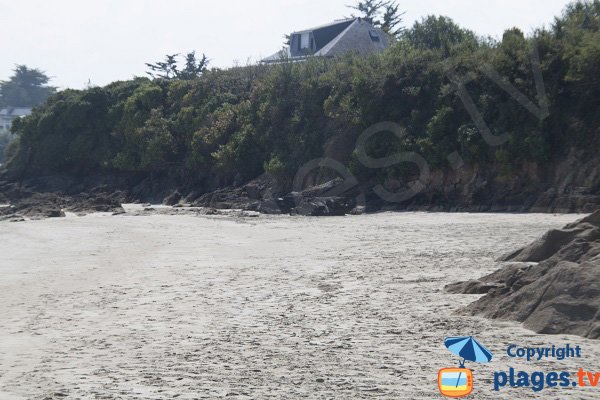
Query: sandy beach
column 201, row 307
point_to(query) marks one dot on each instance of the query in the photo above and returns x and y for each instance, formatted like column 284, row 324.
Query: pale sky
column 108, row 40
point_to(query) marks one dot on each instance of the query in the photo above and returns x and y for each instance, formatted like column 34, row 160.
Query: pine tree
column 370, row 10
column 391, row 18
column 169, row 69
column 383, row 14
column 28, row 87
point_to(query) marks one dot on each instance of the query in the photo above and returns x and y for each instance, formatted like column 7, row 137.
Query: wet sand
column 200, row 307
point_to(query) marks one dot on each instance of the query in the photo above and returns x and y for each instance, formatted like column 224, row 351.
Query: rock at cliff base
column 560, row 294
column 172, row 199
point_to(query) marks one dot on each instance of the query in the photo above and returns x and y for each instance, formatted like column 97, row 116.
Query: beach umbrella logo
column 458, row 382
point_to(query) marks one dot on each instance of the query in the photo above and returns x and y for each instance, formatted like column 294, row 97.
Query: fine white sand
column 188, row 307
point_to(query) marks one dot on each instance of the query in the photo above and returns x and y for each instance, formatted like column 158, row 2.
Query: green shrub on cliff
column 5, row 138
column 231, row 125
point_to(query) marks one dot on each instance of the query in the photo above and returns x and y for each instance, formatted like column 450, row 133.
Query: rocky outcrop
column 258, row 195
column 24, row 202
column 555, row 286
column 173, row 198
column 320, row 206
column 570, row 183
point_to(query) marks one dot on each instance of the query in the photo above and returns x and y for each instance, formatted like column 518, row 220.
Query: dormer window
column 374, row 35
column 304, row 41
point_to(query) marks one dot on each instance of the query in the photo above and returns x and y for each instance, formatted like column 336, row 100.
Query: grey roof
column 15, row 112
column 356, row 37
column 316, row 28
column 281, row 55
column 338, row 38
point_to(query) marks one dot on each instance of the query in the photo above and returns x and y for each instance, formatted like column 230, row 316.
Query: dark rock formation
column 571, row 183
column 25, row 201
column 322, row 206
column 173, row 198
column 258, row 195
column 560, row 294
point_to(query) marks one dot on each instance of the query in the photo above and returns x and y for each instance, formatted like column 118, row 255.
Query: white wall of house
column 5, row 125
column 8, row 115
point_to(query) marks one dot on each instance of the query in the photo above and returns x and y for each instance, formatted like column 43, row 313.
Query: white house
column 339, row 37
column 9, row 114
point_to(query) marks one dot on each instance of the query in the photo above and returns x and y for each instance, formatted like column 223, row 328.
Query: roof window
column 374, row 35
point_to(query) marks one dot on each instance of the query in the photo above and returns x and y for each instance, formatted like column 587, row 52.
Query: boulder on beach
column 173, row 198
column 551, row 285
column 323, row 206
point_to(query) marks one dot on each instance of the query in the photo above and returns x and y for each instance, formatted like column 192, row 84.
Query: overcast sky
column 105, row 40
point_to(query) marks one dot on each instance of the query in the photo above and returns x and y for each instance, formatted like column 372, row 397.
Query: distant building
column 9, row 114
column 355, row 34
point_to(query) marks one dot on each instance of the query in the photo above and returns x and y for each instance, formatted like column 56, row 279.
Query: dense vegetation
column 230, row 125
column 5, row 138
